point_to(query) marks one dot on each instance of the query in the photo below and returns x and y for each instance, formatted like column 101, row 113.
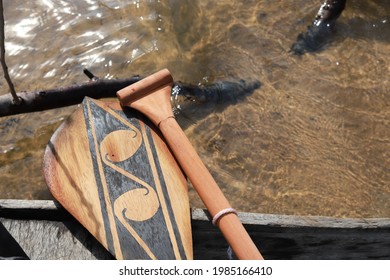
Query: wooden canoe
column 44, row 230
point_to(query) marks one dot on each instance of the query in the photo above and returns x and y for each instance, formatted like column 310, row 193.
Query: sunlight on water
column 314, row 139
column 24, row 27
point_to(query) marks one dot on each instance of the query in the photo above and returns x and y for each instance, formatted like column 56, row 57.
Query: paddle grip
column 208, row 190
column 145, row 86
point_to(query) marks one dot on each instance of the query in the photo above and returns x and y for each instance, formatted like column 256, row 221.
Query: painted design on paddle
column 131, row 186
column 124, row 206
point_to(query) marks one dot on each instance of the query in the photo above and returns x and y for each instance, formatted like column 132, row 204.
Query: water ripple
column 313, row 140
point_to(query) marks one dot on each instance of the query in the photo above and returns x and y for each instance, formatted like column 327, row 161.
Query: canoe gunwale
column 51, row 210
column 46, row 231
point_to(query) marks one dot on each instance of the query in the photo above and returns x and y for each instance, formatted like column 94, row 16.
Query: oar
column 110, row 168
column 151, row 96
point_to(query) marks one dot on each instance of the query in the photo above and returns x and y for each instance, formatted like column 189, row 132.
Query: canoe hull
column 44, row 230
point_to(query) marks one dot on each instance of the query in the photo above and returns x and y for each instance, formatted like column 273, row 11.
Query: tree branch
column 16, row 99
column 61, row 97
column 186, row 98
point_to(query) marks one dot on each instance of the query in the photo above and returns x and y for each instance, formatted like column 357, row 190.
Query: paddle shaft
column 151, row 96
column 208, row 190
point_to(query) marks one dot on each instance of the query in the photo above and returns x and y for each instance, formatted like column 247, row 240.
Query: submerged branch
column 185, row 98
column 319, row 32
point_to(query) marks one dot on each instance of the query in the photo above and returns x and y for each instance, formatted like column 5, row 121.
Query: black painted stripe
column 166, row 195
column 89, row 121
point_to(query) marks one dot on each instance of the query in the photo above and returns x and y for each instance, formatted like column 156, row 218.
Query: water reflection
column 314, row 139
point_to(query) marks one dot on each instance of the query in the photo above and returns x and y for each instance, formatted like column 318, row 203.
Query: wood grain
column 113, row 172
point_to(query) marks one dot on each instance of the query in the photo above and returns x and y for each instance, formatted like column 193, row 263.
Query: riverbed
column 313, row 139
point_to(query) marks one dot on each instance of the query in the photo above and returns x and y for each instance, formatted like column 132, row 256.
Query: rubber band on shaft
column 222, row 213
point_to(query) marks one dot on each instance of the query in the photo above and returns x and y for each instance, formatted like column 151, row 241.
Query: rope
column 222, row 213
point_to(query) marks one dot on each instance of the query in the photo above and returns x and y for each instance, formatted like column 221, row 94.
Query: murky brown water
column 313, row 140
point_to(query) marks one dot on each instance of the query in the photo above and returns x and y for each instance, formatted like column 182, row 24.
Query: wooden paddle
column 151, row 96
column 110, row 168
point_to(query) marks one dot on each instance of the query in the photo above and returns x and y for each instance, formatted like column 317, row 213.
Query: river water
column 314, row 139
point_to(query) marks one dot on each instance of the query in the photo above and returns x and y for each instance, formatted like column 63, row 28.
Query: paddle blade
column 110, row 168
